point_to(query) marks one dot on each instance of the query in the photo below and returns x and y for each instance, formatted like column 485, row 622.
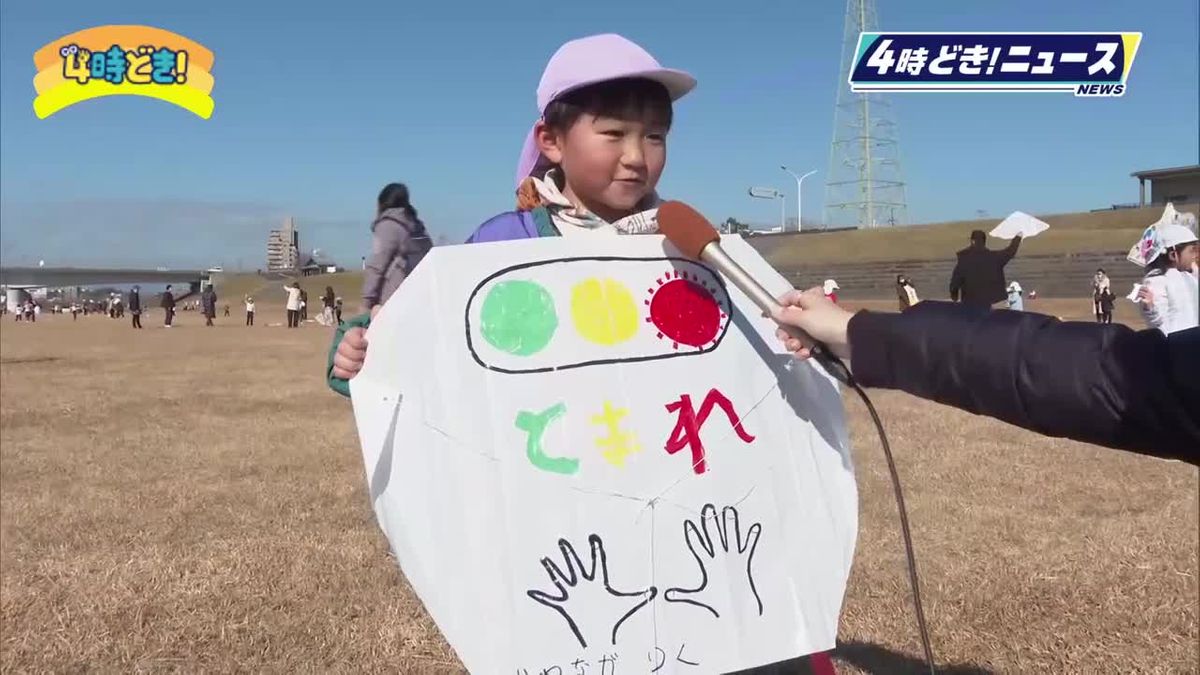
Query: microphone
column 696, row 238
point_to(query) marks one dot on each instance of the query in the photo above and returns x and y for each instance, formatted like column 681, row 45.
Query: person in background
column 327, row 302
column 1107, row 300
column 1100, row 283
column 1169, row 297
column 1015, row 300
column 208, row 300
column 398, row 242
column 75, row 313
column 249, row 311
column 1102, row 384
column 978, row 276
column 168, row 305
column 303, row 305
column 293, row 304
column 226, row 310
column 135, row 306
column 337, row 311
column 906, row 292
column 831, row 287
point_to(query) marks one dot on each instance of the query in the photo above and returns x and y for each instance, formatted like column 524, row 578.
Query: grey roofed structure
column 1180, row 184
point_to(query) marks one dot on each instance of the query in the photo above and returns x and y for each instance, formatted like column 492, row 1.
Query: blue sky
column 319, row 105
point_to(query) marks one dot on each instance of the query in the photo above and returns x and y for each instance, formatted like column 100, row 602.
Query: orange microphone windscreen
column 689, row 231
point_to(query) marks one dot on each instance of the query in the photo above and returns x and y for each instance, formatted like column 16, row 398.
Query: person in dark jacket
column 1106, row 301
column 978, row 277
column 208, row 301
column 398, row 242
column 135, row 306
column 168, row 305
column 1098, row 383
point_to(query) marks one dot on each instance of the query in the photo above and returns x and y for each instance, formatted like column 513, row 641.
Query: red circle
column 686, row 312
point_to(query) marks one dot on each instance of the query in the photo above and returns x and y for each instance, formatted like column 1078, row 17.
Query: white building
column 283, row 247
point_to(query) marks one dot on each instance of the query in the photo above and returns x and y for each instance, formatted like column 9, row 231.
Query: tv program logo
column 1086, row 64
column 123, row 61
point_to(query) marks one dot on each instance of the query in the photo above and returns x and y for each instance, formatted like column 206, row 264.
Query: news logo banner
column 1086, row 64
column 123, row 61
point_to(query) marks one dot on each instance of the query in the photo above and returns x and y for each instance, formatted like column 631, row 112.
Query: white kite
column 603, row 462
column 1020, row 223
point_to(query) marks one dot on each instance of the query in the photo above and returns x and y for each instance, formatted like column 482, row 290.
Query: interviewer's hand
column 816, row 315
column 351, row 353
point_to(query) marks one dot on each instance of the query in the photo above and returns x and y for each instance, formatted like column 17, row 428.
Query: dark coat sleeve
column 1100, row 383
column 1010, row 251
column 956, row 280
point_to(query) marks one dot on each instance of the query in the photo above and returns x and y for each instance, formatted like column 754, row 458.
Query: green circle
column 518, row 317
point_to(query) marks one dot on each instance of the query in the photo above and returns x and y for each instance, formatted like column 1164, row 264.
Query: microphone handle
column 716, row 256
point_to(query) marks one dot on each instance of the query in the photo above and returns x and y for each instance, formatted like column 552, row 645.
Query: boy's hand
column 351, row 353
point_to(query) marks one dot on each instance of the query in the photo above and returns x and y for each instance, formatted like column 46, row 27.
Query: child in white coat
column 1170, row 298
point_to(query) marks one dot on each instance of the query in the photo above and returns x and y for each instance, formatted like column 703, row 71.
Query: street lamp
column 772, row 193
column 799, row 201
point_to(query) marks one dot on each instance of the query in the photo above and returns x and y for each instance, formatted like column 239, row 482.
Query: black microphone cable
column 841, row 372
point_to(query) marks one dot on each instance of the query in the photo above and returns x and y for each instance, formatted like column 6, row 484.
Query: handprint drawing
column 727, row 557
column 590, row 582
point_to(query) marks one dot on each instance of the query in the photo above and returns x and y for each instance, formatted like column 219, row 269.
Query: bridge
column 60, row 277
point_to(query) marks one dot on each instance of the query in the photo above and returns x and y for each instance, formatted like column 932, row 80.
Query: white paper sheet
column 603, row 456
column 1019, row 223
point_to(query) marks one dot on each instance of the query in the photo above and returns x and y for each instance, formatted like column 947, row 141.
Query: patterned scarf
column 571, row 218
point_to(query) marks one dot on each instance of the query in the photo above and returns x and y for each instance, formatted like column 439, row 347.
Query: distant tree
column 734, row 226
column 442, row 240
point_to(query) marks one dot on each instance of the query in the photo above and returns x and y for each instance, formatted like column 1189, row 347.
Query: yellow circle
column 603, row 311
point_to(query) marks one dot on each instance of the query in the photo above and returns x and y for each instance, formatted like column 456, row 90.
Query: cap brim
column 677, row 82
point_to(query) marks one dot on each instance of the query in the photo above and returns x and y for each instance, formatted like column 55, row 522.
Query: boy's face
column 610, row 164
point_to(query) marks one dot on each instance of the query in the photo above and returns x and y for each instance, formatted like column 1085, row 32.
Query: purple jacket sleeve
column 1100, row 383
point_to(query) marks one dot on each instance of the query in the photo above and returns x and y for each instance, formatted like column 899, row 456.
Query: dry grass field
column 193, row 500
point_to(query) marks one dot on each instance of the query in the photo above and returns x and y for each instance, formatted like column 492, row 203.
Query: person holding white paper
column 978, row 277
column 588, row 170
column 1169, row 297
